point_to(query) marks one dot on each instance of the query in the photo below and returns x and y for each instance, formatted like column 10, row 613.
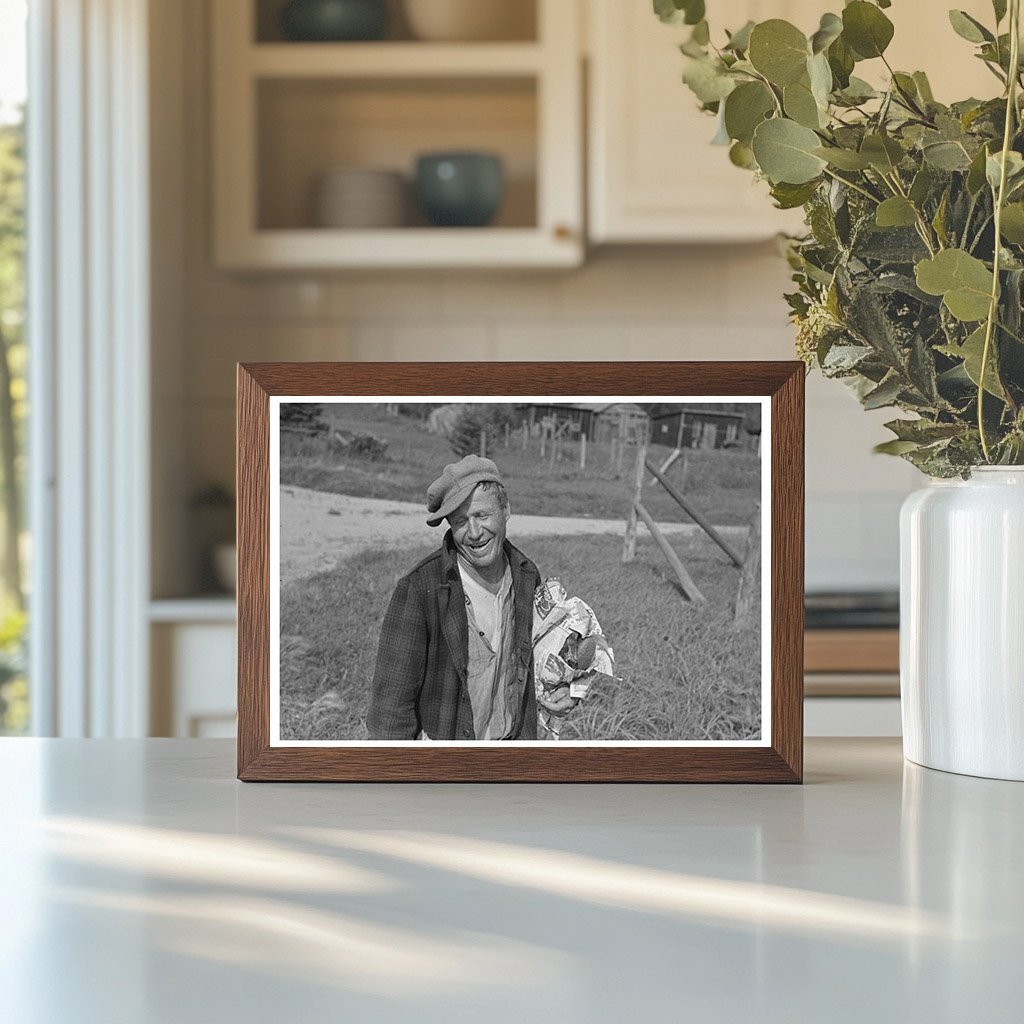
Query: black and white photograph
column 547, row 570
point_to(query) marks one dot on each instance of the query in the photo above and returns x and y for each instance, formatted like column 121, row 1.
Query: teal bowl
column 334, row 21
column 460, row 190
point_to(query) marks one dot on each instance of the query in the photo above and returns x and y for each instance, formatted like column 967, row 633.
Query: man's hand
column 558, row 701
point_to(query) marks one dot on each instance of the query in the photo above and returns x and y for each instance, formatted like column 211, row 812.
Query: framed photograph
column 517, row 572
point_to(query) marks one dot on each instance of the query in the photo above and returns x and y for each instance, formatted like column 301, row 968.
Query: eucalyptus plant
column 910, row 278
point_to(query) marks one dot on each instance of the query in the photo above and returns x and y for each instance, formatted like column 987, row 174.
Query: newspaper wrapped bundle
column 570, row 652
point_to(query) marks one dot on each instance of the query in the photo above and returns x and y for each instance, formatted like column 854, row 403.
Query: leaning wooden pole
column 751, row 568
column 695, row 516
column 690, row 589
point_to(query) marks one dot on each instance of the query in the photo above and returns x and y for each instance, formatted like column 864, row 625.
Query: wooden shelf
column 401, row 247
column 393, row 60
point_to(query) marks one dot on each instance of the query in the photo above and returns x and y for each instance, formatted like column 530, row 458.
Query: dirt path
column 319, row 530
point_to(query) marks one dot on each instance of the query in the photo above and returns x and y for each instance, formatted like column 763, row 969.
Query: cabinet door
column 653, row 174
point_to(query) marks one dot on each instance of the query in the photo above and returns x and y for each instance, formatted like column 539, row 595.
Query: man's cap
column 456, row 484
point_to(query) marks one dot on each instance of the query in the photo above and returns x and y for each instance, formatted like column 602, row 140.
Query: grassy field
column 687, row 672
column 723, row 484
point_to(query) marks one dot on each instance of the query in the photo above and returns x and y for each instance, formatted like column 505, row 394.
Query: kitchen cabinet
column 192, row 650
column 286, row 113
column 653, row 175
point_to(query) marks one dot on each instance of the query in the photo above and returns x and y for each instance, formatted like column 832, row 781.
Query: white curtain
column 88, row 319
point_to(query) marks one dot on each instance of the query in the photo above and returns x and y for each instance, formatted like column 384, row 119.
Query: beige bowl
column 471, row 20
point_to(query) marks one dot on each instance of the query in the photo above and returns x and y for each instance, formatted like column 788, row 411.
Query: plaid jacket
column 419, row 684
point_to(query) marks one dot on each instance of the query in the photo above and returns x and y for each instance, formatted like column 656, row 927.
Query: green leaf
column 895, row 447
column 1012, row 224
column 999, row 7
column 800, row 105
column 739, row 41
column 946, row 156
column 883, row 153
column 778, row 50
column 830, row 28
column 939, row 220
column 721, row 137
column 896, row 212
column 976, row 174
column 963, row 281
column 968, row 28
column 676, row 12
column 701, row 33
column 924, row 88
column 1014, row 169
column 885, row 394
column 858, row 91
column 971, row 352
column 841, row 60
column 866, row 29
column 921, row 185
column 785, row 152
column 923, row 431
column 707, row 80
column 844, row 159
column 745, row 108
column 789, row 197
column 742, row 155
column 820, row 76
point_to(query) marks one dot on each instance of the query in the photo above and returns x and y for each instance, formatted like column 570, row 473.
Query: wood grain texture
column 783, row 382
column 252, row 487
column 852, row 650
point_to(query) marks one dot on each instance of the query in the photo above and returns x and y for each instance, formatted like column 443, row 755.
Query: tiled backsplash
column 701, row 303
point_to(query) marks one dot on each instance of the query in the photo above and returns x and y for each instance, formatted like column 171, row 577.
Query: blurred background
column 248, row 180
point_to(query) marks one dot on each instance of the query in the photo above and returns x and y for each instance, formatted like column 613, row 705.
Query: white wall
column 721, row 302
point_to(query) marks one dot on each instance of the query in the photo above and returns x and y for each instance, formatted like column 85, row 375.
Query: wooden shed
column 704, row 426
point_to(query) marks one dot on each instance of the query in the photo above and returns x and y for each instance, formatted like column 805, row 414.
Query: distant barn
column 599, row 421
column 706, row 426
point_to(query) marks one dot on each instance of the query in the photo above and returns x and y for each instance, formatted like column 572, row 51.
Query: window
column 14, row 694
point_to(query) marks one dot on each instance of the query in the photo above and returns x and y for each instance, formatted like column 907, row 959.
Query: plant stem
column 855, row 187
column 922, row 225
column 993, row 309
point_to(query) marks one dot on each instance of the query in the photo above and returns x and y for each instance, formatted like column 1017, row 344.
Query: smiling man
column 455, row 660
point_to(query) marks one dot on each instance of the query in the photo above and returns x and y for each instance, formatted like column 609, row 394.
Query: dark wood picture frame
column 780, row 761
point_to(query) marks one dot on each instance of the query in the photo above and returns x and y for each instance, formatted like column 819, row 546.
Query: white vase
column 962, row 624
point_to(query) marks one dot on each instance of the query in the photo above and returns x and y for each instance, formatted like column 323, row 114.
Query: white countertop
column 143, row 884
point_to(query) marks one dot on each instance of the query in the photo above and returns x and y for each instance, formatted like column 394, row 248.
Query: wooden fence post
column 543, row 439
column 629, row 545
column 690, row 589
column 583, row 451
column 695, row 516
column 526, row 434
column 750, row 569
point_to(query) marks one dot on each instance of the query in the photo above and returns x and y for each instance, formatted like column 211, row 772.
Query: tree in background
column 12, row 348
column 13, row 410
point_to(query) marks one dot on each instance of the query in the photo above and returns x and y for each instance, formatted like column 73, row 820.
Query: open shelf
column 393, row 60
column 306, row 128
column 519, row 16
column 287, row 113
